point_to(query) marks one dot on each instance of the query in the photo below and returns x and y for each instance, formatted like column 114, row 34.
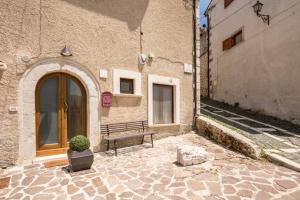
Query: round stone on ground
column 191, row 155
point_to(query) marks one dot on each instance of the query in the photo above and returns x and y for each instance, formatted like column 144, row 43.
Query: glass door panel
column 163, row 104
column 75, row 108
column 49, row 112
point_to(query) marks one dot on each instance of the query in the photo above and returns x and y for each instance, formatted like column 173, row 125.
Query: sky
column 203, row 6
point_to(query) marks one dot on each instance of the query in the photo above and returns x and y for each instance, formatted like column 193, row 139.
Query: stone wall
column 227, row 137
column 204, row 75
column 102, row 34
column 204, row 62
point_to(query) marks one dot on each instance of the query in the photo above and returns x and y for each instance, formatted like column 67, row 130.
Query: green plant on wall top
column 79, row 143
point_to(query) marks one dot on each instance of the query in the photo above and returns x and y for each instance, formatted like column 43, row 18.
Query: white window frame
column 163, row 80
column 135, row 76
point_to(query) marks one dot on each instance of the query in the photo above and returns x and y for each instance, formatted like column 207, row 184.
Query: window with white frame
column 126, row 86
column 126, row 82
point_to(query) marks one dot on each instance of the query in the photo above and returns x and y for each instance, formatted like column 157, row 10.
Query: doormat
column 56, row 163
column 68, row 170
column 4, row 182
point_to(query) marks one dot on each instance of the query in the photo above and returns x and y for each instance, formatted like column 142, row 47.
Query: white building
column 253, row 64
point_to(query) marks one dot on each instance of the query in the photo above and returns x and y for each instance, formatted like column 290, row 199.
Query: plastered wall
column 262, row 72
column 102, row 34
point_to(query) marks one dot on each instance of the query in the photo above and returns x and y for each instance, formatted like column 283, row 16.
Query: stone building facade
column 197, row 68
column 253, row 64
column 204, row 61
column 106, row 38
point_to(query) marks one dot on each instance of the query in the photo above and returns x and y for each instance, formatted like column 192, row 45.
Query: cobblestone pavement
column 141, row 172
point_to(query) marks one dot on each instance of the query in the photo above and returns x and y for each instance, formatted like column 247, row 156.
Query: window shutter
column 227, row 44
column 227, row 3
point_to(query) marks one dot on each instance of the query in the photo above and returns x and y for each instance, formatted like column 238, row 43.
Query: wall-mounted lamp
column 257, row 9
column 151, row 56
column 142, row 58
column 65, row 51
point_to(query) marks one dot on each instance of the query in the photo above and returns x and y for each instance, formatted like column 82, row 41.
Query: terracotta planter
column 80, row 160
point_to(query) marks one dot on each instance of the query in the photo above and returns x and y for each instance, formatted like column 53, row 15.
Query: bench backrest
column 124, row 127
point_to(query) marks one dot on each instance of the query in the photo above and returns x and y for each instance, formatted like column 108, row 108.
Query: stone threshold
column 40, row 160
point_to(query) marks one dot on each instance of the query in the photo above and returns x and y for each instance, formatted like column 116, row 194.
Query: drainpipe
column 194, row 61
column 208, row 45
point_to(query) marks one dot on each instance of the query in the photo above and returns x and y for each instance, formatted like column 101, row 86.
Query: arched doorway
column 61, row 112
column 27, row 104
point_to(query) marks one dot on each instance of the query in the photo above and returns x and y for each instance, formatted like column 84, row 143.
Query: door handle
column 66, row 107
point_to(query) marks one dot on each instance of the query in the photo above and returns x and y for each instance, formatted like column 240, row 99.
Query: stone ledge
column 227, row 137
column 280, row 160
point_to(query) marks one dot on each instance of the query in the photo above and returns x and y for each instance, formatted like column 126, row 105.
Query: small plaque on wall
column 106, row 99
column 103, row 73
column 188, row 68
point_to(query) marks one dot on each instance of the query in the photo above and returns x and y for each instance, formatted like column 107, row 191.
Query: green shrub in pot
column 79, row 143
column 79, row 155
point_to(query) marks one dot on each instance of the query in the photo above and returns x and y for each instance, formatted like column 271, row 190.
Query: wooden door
column 60, row 113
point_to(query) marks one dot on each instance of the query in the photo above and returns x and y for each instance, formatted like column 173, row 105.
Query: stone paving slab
column 141, row 172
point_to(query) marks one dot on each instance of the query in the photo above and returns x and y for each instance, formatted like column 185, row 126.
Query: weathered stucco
column 102, row 34
column 262, row 72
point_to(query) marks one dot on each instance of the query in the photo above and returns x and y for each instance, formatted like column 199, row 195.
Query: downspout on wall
column 194, row 63
column 208, row 52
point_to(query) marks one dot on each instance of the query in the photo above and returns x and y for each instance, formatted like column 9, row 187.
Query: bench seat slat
column 124, row 127
column 112, row 138
column 123, row 130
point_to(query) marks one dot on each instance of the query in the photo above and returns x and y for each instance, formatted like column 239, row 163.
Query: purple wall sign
column 106, row 99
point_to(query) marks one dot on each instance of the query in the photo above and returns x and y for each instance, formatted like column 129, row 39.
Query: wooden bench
column 139, row 128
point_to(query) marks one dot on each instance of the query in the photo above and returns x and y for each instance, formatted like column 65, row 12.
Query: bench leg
column 142, row 140
column 152, row 140
column 107, row 145
column 115, row 147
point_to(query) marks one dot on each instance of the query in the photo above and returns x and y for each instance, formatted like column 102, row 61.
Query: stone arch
column 26, row 103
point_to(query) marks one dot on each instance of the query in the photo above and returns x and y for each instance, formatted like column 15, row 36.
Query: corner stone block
column 191, row 155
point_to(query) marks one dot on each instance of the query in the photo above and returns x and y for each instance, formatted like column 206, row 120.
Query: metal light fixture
column 257, row 7
column 65, row 51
